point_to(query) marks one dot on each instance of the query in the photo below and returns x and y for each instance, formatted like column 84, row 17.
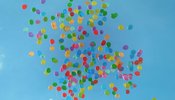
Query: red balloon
column 95, row 81
column 67, row 73
column 69, row 9
column 127, row 91
column 71, row 13
column 134, row 85
column 84, row 77
column 75, row 98
column 136, row 62
column 52, row 41
column 97, row 68
column 96, row 32
column 137, row 73
column 58, row 88
column 84, row 32
column 115, row 89
column 70, row 91
column 64, row 95
column 103, row 42
column 84, row 58
column 24, row 6
column 83, row 95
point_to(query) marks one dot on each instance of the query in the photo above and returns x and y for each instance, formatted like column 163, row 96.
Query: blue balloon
column 104, row 64
column 96, row 76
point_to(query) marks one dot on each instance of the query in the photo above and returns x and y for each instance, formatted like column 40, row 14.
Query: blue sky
column 21, row 77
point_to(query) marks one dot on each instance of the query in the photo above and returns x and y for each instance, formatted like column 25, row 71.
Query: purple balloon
column 43, row 1
column 125, row 47
column 31, row 34
column 38, row 11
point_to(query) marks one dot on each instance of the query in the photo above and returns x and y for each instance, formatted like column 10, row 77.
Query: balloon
column 54, row 26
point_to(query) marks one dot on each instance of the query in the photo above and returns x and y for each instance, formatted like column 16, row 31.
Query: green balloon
column 45, row 19
column 90, row 79
column 73, row 73
column 69, row 4
column 33, row 9
column 62, row 47
column 31, row 22
column 107, row 92
column 114, row 15
column 62, row 15
column 54, row 60
column 154, row 99
column 79, row 72
column 65, row 82
column 108, row 44
column 116, row 53
column 52, row 17
column 69, row 36
column 105, row 13
column 113, row 92
column 114, row 66
column 48, row 70
column 64, row 87
column 45, row 36
column 54, row 84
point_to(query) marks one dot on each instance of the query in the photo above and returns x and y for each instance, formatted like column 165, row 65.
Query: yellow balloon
column 111, row 85
column 94, row 3
column 76, row 11
column 43, row 30
column 62, row 25
column 111, row 58
column 69, row 64
column 117, row 95
column 121, row 27
column 80, row 21
column 82, row 90
column 81, row 44
column 91, row 24
column 95, row 17
column 121, row 54
column 67, row 55
column 74, row 39
column 52, row 48
column 91, row 12
column 139, row 67
column 127, row 85
column 90, row 87
column 39, row 42
column 97, row 11
column 100, row 48
column 31, row 53
column 67, row 28
column 43, row 62
column 54, row 25
column 104, row 5
column 107, row 37
column 50, row 87
column 80, row 18
column 62, row 36
column 71, row 21
column 100, row 72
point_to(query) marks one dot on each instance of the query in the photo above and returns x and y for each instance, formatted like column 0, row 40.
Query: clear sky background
column 21, row 77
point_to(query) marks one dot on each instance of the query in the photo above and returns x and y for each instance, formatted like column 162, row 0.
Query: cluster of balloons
column 87, row 60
